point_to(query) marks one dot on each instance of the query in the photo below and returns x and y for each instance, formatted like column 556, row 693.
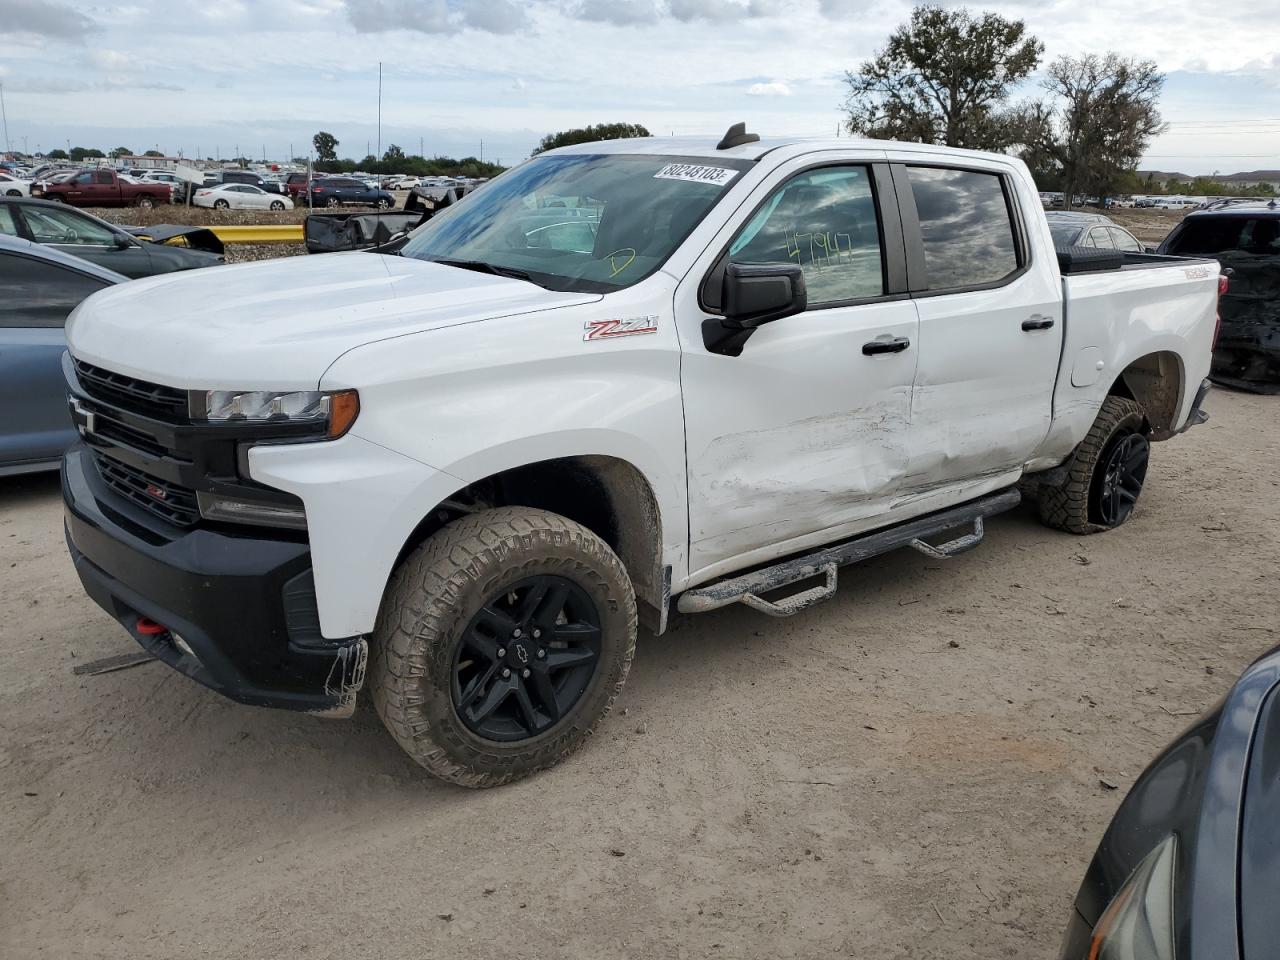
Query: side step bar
column 747, row 589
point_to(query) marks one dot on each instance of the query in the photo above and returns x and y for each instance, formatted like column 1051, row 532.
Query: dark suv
column 332, row 191
column 1243, row 236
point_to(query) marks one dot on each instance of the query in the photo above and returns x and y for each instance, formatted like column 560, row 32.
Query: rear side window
column 1209, row 236
column 1122, row 240
column 966, row 226
column 825, row 222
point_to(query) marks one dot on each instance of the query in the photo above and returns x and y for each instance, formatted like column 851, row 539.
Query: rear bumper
column 241, row 603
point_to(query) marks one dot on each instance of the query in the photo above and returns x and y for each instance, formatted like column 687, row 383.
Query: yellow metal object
column 283, row 233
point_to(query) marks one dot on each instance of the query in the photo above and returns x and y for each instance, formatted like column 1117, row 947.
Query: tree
column 393, row 156
column 152, row 153
column 600, row 131
column 118, row 152
column 326, row 145
column 85, row 153
column 1100, row 116
column 57, row 154
column 945, row 77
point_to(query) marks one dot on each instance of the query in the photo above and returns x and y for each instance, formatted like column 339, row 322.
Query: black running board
column 748, row 588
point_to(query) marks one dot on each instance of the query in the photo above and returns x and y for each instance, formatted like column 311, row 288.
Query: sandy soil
column 846, row 783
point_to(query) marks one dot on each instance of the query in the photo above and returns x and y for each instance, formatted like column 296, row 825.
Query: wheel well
column 609, row 497
column 1155, row 383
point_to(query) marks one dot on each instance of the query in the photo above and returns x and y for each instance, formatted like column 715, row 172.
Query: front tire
column 13, row 193
column 501, row 644
column 221, row 205
column 1104, row 475
column 277, row 204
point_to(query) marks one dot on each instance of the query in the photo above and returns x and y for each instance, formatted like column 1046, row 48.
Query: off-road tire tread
column 1066, row 506
column 423, row 609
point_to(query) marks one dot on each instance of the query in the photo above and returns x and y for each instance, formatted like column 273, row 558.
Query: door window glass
column 1100, row 237
column 103, row 177
column 8, row 225
column 52, row 225
column 43, row 292
column 1123, row 240
column 83, row 179
column 966, row 227
column 825, row 221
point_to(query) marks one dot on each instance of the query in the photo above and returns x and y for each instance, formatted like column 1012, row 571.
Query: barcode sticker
column 695, row 173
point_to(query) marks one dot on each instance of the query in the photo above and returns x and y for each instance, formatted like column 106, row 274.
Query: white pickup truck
column 621, row 378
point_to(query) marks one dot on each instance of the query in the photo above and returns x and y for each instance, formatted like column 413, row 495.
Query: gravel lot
column 910, row 770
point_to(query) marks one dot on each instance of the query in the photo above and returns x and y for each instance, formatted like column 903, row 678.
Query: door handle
column 896, row 345
column 1037, row 322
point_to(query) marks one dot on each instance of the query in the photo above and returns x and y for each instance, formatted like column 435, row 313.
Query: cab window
column 966, row 227
column 824, row 221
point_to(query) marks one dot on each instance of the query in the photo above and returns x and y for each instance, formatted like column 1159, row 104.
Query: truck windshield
column 583, row 222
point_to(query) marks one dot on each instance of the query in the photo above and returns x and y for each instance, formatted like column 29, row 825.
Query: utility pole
column 421, row 152
column 482, row 151
column 379, row 108
column 4, row 114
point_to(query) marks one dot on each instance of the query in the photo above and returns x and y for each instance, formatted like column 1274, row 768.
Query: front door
column 805, row 434
column 82, row 236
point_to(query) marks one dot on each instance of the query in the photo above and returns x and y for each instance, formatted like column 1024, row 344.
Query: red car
column 102, row 188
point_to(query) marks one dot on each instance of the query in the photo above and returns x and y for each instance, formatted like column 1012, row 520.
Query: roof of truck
column 707, row 146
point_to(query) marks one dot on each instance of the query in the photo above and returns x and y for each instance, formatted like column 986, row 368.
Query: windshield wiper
column 479, row 266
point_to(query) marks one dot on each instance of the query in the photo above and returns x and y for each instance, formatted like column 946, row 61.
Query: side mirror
column 751, row 295
column 123, row 242
column 758, row 293
column 1149, row 249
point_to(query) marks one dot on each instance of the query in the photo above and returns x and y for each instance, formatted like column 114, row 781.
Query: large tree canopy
column 944, row 77
column 599, row 131
column 326, row 145
column 1094, row 127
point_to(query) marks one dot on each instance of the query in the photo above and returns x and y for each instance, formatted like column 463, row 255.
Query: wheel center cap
column 519, row 653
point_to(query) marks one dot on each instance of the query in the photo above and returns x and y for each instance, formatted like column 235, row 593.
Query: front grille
column 131, row 393
column 166, row 500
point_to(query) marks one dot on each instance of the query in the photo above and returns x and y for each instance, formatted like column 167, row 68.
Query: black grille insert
column 131, row 393
column 166, row 500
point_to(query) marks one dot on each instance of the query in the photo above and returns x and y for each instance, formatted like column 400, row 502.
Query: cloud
column 378, row 16
column 723, row 11
column 621, row 13
column 44, row 19
column 495, row 16
column 110, row 59
column 775, row 88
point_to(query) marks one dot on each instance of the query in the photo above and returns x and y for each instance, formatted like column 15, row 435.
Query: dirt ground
column 844, row 783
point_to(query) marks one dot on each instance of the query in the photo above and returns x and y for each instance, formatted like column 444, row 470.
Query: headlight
column 337, row 410
column 1138, row 923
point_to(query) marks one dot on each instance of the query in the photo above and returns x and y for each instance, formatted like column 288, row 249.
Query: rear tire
column 332, row 202
column 221, row 205
column 1104, row 474
column 145, row 203
column 465, row 608
column 277, row 204
column 13, row 193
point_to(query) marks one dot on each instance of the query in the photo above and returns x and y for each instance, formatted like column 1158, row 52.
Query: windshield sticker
column 695, row 173
column 629, row 327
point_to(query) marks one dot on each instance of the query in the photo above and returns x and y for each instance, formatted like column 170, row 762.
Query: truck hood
column 279, row 324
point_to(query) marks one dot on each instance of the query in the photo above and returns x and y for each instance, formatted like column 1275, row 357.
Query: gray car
column 39, row 287
column 84, row 235
column 1071, row 229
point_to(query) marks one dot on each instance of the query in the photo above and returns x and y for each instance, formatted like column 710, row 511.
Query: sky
column 491, row 77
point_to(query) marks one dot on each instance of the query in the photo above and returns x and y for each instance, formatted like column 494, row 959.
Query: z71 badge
column 630, row 327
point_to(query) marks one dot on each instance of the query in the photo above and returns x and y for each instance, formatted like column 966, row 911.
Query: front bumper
column 242, row 602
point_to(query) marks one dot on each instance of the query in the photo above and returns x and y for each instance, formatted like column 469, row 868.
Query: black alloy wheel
column 1120, row 481
column 526, row 658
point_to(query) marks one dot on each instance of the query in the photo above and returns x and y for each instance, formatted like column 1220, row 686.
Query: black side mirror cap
column 758, row 293
column 753, row 294
column 123, row 242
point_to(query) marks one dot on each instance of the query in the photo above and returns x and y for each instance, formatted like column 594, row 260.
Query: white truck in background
column 621, row 378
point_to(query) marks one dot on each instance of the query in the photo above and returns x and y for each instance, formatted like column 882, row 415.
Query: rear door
column 38, row 296
column 990, row 323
